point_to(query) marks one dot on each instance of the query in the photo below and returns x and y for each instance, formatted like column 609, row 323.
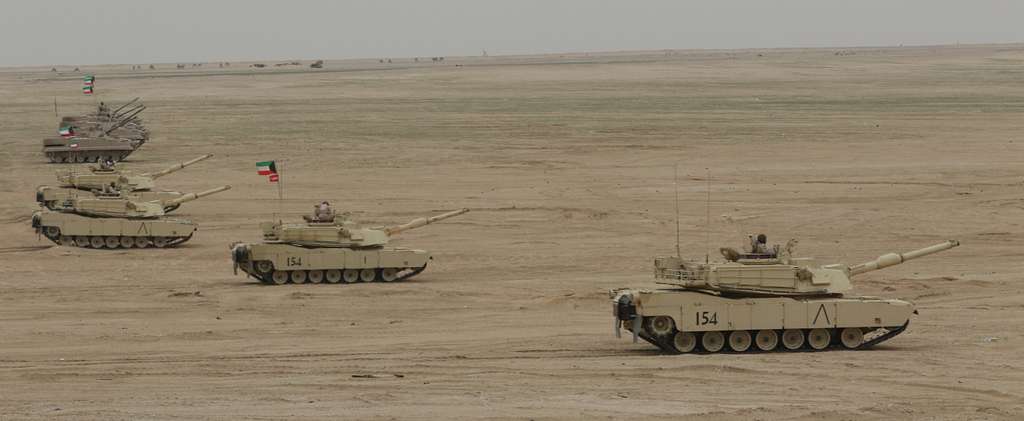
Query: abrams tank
column 114, row 221
column 762, row 300
column 105, row 134
column 134, row 186
column 333, row 250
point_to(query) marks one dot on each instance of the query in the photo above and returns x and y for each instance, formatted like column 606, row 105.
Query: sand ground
column 566, row 163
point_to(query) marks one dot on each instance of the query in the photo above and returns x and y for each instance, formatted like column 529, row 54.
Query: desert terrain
column 566, row 162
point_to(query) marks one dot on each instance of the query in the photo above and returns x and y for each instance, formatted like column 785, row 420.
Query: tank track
column 113, row 241
column 877, row 336
column 305, row 278
column 84, row 157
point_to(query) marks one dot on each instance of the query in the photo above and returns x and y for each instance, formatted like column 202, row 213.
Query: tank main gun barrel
column 128, row 111
column 123, row 121
column 892, row 259
column 177, row 167
column 419, row 222
column 193, row 196
column 125, row 105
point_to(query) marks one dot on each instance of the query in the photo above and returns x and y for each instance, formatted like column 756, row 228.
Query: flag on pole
column 89, row 81
column 67, row 131
column 268, row 168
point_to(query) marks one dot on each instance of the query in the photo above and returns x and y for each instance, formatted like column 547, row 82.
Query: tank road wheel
column 739, row 340
column 81, row 241
column 388, row 274
column 819, row 338
column 315, row 276
column 160, row 242
column 684, row 342
column 79, row 159
column 852, row 337
column 661, row 325
column 52, row 233
column 792, row 338
column 112, row 242
column 66, row 240
column 350, row 275
column 298, row 276
column 264, row 267
column 280, row 277
column 96, row 242
column 332, row 276
column 367, row 275
column 127, row 242
column 142, row 242
column 766, row 340
column 712, row 341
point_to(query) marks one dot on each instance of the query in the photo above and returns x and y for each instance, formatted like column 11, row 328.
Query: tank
column 331, row 251
column 135, row 186
column 102, row 135
column 113, row 221
column 762, row 300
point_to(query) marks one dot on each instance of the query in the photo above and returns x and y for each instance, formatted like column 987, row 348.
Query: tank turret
column 119, row 206
column 342, row 233
column 99, row 177
column 330, row 248
column 775, row 272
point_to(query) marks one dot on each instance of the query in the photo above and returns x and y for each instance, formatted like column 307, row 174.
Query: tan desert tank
column 762, row 300
column 104, row 135
column 332, row 250
column 135, row 186
column 113, row 221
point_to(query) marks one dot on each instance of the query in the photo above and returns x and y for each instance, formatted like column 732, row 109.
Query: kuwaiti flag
column 67, row 131
column 89, row 81
column 267, row 168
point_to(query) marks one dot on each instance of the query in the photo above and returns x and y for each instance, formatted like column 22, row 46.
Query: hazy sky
column 140, row 31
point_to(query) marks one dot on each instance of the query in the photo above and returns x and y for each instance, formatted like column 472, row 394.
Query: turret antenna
column 676, row 177
column 707, row 222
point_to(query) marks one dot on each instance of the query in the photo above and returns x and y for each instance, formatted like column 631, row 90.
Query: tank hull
column 679, row 320
column 274, row 263
column 52, row 197
column 79, row 149
column 111, row 233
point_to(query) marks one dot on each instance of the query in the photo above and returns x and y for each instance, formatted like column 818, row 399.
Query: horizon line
column 655, row 50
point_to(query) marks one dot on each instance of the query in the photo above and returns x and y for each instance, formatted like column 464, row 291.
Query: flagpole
column 280, row 190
